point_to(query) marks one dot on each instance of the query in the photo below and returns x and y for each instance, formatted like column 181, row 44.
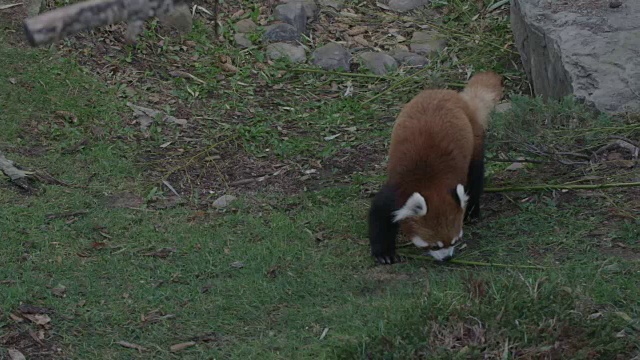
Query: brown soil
column 33, row 341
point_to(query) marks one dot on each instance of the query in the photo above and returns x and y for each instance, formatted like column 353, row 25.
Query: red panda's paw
column 389, row 259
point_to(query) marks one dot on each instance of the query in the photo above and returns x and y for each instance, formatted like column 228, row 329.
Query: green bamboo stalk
column 341, row 73
column 475, row 263
column 397, row 84
column 560, row 187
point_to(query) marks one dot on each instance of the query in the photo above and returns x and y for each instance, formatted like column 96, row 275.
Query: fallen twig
column 166, row 183
column 518, row 161
column 186, row 75
column 620, row 142
column 9, row 6
column 600, row 129
column 66, row 214
column 131, row 346
column 341, row 73
column 624, row 139
column 474, row 263
column 561, row 187
column 243, row 182
column 48, row 179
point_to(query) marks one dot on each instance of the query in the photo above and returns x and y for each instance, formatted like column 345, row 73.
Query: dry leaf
column 229, row 67
column 59, row 291
column 624, row 316
column 154, row 317
column 16, row 318
column 31, row 309
column 273, row 272
column 14, row 354
column 237, row 264
column 237, row 14
column 67, row 114
column 38, row 337
column 181, row 346
column 162, row 253
column 360, row 40
column 324, row 333
column 98, row 245
column 40, row 319
column 357, row 30
column 131, row 345
column 13, row 80
column 382, row 6
column 515, row 166
column 595, row 316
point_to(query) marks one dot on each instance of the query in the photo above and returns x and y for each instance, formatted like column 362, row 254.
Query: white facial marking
column 442, row 253
column 417, row 241
column 440, row 244
column 457, row 238
column 415, row 206
column 462, row 196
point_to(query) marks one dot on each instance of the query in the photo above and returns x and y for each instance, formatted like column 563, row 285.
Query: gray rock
column 310, row 7
column 293, row 53
column 502, row 107
column 336, row 4
column 242, row 41
column 293, row 14
column 416, row 61
column 332, row 56
column 400, row 55
column 590, row 52
column 180, row 19
column 406, row 5
column 246, row 26
column 427, row 43
column 224, row 201
column 281, row 32
column 408, row 58
column 378, row 63
column 33, row 7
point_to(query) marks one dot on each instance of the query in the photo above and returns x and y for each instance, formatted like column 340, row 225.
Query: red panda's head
column 434, row 220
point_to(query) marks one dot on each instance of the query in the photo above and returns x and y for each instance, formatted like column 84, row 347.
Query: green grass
column 306, row 269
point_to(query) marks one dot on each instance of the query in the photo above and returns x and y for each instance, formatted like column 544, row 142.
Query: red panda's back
column 432, row 138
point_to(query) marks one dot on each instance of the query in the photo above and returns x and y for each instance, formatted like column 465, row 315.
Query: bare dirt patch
column 625, row 253
column 28, row 331
column 11, row 24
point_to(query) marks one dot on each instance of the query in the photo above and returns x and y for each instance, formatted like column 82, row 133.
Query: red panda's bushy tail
column 482, row 93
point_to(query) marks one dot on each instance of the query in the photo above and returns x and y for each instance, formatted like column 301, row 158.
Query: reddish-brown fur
column 435, row 138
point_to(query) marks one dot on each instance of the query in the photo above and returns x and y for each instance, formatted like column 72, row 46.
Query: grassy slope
column 305, row 259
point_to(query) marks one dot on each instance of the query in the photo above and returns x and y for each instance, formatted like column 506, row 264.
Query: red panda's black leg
column 475, row 186
column 382, row 230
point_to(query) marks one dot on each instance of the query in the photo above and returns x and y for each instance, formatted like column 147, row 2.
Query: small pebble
column 615, row 4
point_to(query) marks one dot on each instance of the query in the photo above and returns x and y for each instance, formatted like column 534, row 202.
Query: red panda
column 435, row 171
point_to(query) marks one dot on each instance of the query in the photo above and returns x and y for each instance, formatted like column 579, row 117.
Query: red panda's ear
column 462, row 197
column 415, row 206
